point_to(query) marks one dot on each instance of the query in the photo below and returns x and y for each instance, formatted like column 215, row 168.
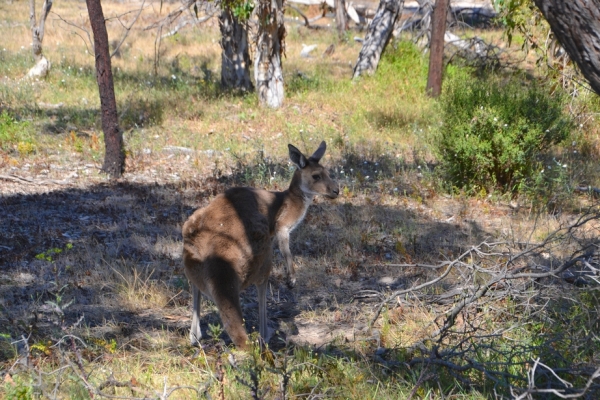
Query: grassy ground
column 94, row 300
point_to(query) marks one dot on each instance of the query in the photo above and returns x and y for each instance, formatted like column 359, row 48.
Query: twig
column 185, row 23
column 556, row 392
column 82, row 38
column 397, row 293
column 127, row 29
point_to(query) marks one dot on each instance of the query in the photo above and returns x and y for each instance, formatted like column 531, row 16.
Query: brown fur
column 227, row 246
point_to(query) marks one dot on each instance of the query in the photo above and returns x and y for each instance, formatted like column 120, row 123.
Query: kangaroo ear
column 320, row 152
column 297, row 157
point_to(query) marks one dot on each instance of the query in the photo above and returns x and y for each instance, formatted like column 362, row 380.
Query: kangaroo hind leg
column 225, row 292
column 230, row 310
column 195, row 332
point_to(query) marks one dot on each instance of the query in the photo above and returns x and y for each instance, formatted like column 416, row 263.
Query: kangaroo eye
column 316, row 177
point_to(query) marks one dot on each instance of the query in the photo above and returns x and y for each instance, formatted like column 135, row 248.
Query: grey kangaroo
column 228, row 245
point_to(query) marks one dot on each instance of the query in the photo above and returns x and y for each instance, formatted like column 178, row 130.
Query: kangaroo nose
column 336, row 191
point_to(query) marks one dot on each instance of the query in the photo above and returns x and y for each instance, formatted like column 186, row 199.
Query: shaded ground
column 126, row 243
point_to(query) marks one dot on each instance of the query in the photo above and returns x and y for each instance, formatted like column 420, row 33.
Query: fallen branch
column 587, row 189
column 307, row 22
column 561, row 393
column 28, row 181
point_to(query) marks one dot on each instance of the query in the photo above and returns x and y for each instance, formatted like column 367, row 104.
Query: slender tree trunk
column 378, row 35
column 114, row 157
column 436, row 48
column 235, row 58
column 576, row 25
column 42, row 65
column 341, row 19
column 269, row 50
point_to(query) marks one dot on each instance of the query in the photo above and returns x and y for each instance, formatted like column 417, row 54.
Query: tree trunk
column 576, row 25
column 436, row 48
column 114, row 157
column 341, row 19
column 269, row 49
column 235, row 59
column 378, row 35
column 42, row 65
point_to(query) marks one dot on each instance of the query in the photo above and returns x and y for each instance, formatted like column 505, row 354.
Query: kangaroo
column 228, row 245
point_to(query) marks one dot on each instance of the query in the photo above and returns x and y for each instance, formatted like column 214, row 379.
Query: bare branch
column 89, row 37
column 561, row 393
column 412, row 289
column 185, row 23
column 128, row 29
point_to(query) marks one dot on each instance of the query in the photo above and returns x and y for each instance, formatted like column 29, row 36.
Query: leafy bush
column 15, row 135
column 493, row 133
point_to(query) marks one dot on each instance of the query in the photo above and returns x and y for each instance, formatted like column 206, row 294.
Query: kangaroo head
column 311, row 176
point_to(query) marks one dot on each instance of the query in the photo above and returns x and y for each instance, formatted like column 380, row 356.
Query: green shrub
column 16, row 135
column 494, row 133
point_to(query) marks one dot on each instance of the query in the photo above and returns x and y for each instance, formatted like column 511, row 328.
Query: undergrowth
column 16, row 136
column 495, row 132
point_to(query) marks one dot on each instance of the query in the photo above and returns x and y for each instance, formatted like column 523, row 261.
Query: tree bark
column 576, row 25
column 341, row 19
column 42, row 65
column 235, row 58
column 378, row 35
column 270, row 44
column 436, row 48
column 114, row 156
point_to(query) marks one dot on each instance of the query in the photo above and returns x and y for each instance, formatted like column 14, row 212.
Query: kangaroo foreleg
column 284, row 246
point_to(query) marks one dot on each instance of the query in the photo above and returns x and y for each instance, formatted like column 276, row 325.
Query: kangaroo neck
column 295, row 204
column 295, row 192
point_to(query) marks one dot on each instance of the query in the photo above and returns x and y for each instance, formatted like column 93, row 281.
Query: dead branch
column 27, row 181
column 127, row 29
column 185, row 23
column 118, row 18
column 209, row 8
column 89, row 37
column 307, row 22
column 412, row 289
column 566, row 393
column 495, row 271
column 587, row 189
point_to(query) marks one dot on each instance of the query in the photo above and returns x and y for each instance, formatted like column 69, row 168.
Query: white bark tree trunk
column 42, row 65
column 268, row 73
column 235, row 59
column 341, row 20
column 378, row 35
